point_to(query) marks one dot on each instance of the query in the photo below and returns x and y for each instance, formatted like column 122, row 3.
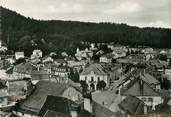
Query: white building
column 92, row 74
column 19, row 55
column 37, row 54
column 83, row 54
column 107, row 58
column 142, row 90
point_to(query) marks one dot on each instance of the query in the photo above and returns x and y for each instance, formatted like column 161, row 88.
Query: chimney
column 88, row 103
column 145, row 109
column 38, row 68
column 141, row 86
column 73, row 113
column 153, row 107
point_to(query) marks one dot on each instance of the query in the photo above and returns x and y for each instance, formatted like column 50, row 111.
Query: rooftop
column 96, row 68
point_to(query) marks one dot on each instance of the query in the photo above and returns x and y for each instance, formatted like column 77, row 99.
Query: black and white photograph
column 85, row 58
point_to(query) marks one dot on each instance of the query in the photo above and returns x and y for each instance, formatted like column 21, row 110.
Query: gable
column 139, row 88
column 72, row 94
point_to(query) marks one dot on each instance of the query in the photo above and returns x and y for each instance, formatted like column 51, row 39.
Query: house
column 115, row 71
column 100, row 52
column 142, row 75
column 107, row 58
column 92, row 47
column 107, row 99
column 54, row 114
column 3, row 46
column 143, row 91
column 64, row 54
column 60, row 62
column 132, row 105
column 158, row 65
column 83, row 54
column 1, row 64
column 56, row 106
column 60, row 105
column 149, row 53
column 119, row 54
column 60, row 72
column 132, row 59
column 37, row 54
column 20, row 88
column 34, row 103
column 19, row 55
column 3, row 94
column 93, row 74
column 77, row 65
column 40, row 74
column 47, row 59
column 22, row 70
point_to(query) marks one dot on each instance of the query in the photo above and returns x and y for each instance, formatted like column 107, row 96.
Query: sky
column 142, row 13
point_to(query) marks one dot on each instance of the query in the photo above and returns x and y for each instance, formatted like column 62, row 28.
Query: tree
column 84, row 85
column 20, row 60
column 169, row 63
column 96, row 57
column 163, row 57
column 101, row 84
column 165, row 83
column 74, row 76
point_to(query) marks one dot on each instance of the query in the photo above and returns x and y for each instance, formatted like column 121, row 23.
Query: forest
column 22, row 33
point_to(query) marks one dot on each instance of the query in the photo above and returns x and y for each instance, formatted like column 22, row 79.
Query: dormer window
column 92, row 79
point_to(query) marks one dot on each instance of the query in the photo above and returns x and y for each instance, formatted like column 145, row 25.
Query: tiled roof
column 54, row 114
column 108, row 56
column 24, row 68
column 138, row 87
column 57, row 104
column 43, row 89
column 140, row 74
column 96, row 68
column 132, row 105
column 149, row 78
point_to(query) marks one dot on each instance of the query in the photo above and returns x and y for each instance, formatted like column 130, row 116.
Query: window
column 143, row 99
column 98, row 79
column 150, row 99
column 92, row 79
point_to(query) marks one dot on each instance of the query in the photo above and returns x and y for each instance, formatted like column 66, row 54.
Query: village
column 120, row 82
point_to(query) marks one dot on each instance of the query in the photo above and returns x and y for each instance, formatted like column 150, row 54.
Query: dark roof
column 108, row 55
column 54, row 114
column 60, row 60
column 132, row 105
column 84, row 113
column 57, row 104
column 13, row 115
column 149, row 78
column 138, row 87
column 24, row 68
column 3, row 84
column 140, row 74
column 43, row 88
column 57, row 114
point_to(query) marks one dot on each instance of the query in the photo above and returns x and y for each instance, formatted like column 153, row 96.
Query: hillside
column 21, row 33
